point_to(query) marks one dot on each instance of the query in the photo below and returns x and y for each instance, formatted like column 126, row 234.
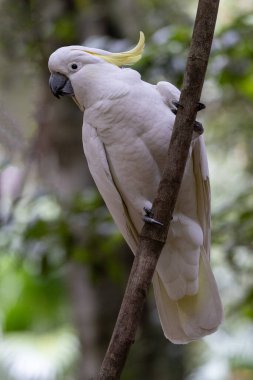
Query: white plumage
column 127, row 127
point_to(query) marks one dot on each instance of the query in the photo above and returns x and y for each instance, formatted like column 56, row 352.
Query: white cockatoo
column 127, row 126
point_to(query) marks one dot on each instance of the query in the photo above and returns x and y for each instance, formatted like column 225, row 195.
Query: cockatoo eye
column 74, row 66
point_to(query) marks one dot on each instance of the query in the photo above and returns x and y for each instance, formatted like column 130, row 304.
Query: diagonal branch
column 153, row 237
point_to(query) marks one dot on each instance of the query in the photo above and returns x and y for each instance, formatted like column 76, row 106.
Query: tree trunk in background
column 84, row 310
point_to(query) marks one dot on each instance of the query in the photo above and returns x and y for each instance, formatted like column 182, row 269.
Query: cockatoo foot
column 177, row 105
column 149, row 217
column 200, row 106
column 198, row 128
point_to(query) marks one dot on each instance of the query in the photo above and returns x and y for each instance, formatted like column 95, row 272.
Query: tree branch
column 153, row 237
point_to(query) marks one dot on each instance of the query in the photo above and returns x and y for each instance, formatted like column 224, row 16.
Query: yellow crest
column 124, row 58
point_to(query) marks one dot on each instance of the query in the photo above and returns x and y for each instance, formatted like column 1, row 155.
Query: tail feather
column 202, row 314
column 168, row 313
column 191, row 317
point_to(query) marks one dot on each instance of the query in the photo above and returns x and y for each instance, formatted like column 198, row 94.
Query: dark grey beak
column 60, row 85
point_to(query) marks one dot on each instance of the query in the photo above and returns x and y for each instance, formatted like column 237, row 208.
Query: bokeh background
column 63, row 264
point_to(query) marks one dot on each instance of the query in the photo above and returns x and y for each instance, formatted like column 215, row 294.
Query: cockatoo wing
column 202, row 313
column 206, row 306
column 98, row 165
column 199, row 314
column 169, row 94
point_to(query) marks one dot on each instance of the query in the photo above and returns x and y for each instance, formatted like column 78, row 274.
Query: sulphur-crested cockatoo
column 127, row 127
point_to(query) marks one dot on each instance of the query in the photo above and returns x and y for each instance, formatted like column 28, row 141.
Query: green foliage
column 234, row 47
column 165, row 55
column 37, row 243
column 20, row 293
column 64, row 29
column 49, row 235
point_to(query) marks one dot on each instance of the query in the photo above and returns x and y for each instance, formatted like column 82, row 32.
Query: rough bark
column 153, row 237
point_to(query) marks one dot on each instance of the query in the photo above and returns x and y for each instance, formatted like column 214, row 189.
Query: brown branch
column 153, row 237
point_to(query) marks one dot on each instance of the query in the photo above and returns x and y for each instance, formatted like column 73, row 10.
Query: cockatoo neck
column 96, row 82
column 90, row 83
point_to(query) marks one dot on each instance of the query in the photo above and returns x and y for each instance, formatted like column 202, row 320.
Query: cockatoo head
column 67, row 61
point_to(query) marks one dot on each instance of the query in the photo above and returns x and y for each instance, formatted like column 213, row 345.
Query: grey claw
column 149, row 217
column 176, row 103
column 200, row 106
column 198, row 127
column 151, row 220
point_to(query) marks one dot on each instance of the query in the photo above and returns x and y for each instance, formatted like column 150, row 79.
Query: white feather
column 126, row 132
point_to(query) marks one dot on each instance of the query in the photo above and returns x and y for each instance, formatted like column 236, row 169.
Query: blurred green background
column 63, row 264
